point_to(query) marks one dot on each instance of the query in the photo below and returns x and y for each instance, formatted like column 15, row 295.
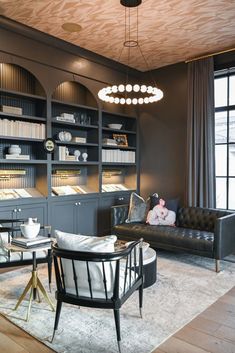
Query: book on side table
column 31, row 243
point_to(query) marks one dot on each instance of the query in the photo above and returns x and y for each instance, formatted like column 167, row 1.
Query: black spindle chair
column 120, row 275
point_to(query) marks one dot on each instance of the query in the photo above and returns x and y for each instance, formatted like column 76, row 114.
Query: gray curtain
column 200, row 134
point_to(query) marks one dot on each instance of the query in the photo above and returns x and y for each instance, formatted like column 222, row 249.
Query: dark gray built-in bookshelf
column 74, row 187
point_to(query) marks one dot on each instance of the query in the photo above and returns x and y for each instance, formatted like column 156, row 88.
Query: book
column 80, row 189
column 29, row 243
column 11, row 110
column 22, row 193
column 7, row 194
column 61, row 118
column 78, row 139
column 17, row 156
column 63, row 190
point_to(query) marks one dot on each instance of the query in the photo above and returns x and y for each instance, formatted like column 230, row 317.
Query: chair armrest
column 118, row 214
column 224, row 242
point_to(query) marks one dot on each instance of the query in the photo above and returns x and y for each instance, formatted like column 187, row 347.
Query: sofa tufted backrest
column 199, row 218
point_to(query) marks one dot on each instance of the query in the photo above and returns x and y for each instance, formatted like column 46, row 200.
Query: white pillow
column 4, row 239
column 87, row 243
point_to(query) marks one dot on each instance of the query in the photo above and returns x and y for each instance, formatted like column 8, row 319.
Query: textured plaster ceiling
column 170, row 31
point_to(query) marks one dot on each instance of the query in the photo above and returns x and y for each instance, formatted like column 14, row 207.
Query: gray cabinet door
column 86, row 216
column 63, row 216
column 8, row 212
column 38, row 211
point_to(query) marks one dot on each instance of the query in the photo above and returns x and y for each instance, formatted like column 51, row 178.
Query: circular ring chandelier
column 131, row 93
column 112, row 94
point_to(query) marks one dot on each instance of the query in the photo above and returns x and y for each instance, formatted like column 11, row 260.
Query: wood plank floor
column 213, row 331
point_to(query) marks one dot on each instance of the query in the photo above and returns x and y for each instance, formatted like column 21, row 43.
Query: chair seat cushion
column 184, row 238
column 77, row 242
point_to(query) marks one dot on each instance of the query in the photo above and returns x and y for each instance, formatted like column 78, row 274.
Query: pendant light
column 126, row 93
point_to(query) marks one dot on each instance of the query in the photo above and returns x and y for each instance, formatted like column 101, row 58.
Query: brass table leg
column 35, row 285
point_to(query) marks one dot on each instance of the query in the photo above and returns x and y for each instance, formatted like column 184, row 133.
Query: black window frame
column 221, row 74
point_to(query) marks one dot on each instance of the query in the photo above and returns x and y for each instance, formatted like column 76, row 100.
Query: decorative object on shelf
column 30, row 229
column 115, row 126
column 14, row 149
column 49, row 145
column 85, row 156
column 126, row 93
column 77, row 154
column 121, row 140
column 65, row 136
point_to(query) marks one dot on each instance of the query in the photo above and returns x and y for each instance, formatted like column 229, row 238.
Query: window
column 225, row 138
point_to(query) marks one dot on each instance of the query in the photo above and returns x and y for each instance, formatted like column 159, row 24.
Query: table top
column 42, row 247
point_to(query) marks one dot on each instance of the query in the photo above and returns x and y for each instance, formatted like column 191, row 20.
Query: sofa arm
column 118, row 214
column 224, row 242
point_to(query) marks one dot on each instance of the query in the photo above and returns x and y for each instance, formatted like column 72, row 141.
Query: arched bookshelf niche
column 75, row 128
column 23, row 124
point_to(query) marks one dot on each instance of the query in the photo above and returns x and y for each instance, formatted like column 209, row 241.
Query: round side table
column 149, row 267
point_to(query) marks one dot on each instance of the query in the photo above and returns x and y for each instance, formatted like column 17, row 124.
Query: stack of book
column 17, row 156
column 118, row 156
column 78, row 139
column 63, row 154
column 31, row 243
column 66, row 117
column 10, row 110
column 109, row 142
column 22, row 129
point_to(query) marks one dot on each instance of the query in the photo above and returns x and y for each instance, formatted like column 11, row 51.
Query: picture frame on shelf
column 121, row 139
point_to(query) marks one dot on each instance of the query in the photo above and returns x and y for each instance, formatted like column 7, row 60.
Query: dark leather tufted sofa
column 200, row 231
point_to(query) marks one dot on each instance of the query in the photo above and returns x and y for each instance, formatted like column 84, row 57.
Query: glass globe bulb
column 122, row 101
column 106, row 99
column 128, row 101
column 111, row 99
column 108, row 90
column 136, row 88
column 134, row 101
column 149, row 89
column 146, row 100
column 143, row 88
column 121, row 88
column 116, row 100
column 140, row 100
column 151, row 99
column 155, row 90
column 114, row 89
column 128, row 88
column 101, row 94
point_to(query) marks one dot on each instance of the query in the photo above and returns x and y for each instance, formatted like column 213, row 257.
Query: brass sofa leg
column 217, row 265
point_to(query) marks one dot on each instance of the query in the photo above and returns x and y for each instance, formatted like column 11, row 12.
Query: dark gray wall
column 163, row 136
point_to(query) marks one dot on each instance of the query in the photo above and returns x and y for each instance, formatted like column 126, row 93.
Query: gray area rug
column 185, row 287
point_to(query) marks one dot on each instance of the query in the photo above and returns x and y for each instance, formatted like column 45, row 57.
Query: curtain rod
column 209, row 55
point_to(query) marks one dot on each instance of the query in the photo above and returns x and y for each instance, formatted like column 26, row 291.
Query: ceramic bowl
column 30, row 231
column 115, row 126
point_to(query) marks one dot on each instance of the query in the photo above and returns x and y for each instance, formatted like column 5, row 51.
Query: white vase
column 30, row 229
column 85, row 156
column 14, row 149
